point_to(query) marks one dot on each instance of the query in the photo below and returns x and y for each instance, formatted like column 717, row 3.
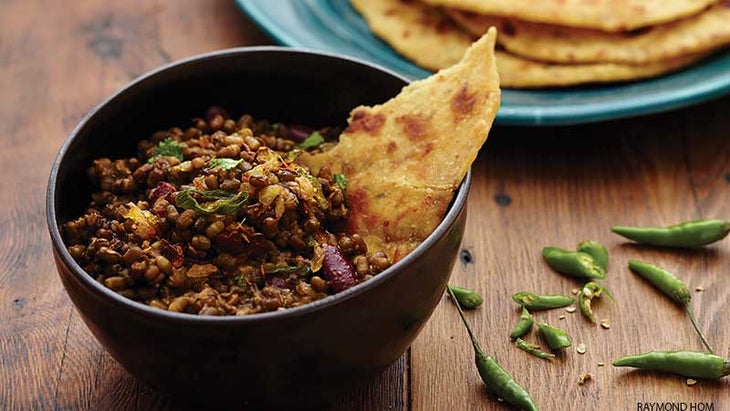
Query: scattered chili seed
column 601, row 364
column 691, row 382
column 570, row 309
column 574, row 291
column 581, row 348
column 699, row 288
column 605, row 324
column 584, row 378
column 561, row 317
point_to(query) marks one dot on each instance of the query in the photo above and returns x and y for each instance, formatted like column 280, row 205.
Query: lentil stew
column 217, row 219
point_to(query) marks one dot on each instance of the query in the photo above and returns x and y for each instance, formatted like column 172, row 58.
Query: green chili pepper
column 692, row 364
column 573, row 263
column 556, row 338
column 523, row 324
column 684, row 235
column 466, row 297
column 493, row 375
column 533, row 349
column 533, row 301
column 595, row 250
column 590, row 291
column 671, row 286
column 665, row 281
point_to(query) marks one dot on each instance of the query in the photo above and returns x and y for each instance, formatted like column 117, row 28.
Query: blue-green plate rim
column 704, row 81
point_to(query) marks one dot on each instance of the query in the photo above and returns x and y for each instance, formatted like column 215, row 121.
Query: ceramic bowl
column 302, row 356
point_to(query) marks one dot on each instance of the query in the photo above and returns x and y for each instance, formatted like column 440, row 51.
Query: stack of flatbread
column 556, row 43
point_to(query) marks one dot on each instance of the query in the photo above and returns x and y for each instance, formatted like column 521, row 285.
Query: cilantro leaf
column 167, row 148
column 340, row 181
column 312, row 141
column 224, row 163
column 219, row 201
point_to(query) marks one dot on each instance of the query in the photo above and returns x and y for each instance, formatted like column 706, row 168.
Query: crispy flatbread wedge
column 403, row 159
column 432, row 40
column 606, row 15
column 699, row 33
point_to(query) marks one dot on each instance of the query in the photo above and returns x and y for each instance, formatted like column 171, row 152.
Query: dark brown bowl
column 305, row 355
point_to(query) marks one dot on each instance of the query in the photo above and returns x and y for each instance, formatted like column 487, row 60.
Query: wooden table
column 532, row 187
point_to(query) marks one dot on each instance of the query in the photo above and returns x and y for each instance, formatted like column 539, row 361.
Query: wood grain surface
column 532, row 187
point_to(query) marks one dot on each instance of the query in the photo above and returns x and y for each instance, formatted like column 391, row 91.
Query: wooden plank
column 532, row 187
column 539, row 187
column 57, row 60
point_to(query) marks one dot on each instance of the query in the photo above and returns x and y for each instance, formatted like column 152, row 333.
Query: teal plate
column 334, row 26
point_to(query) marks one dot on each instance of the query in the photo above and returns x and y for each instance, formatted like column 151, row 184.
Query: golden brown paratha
column 700, row 33
column 606, row 15
column 421, row 33
column 403, row 159
column 518, row 72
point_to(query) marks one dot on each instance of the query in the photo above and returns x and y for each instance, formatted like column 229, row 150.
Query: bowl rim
column 457, row 204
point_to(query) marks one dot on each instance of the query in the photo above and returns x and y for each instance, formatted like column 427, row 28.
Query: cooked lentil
column 249, row 234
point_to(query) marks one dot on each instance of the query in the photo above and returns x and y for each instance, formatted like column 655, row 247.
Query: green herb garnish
column 277, row 270
column 340, row 181
column 218, row 201
column 167, row 148
column 241, row 281
column 312, row 141
column 224, row 163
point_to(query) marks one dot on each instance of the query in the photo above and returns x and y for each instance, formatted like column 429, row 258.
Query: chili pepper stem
column 693, row 320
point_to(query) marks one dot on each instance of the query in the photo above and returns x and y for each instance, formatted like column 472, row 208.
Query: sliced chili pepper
column 466, row 297
column 533, row 301
column 556, row 338
column 523, row 324
column 533, row 349
column 573, row 263
column 595, row 250
column 587, row 293
column 689, row 234
column 691, row 364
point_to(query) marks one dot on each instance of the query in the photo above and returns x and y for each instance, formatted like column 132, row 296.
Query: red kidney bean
column 215, row 111
column 173, row 252
column 231, row 242
column 277, row 282
column 162, row 189
column 298, row 132
column 338, row 269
